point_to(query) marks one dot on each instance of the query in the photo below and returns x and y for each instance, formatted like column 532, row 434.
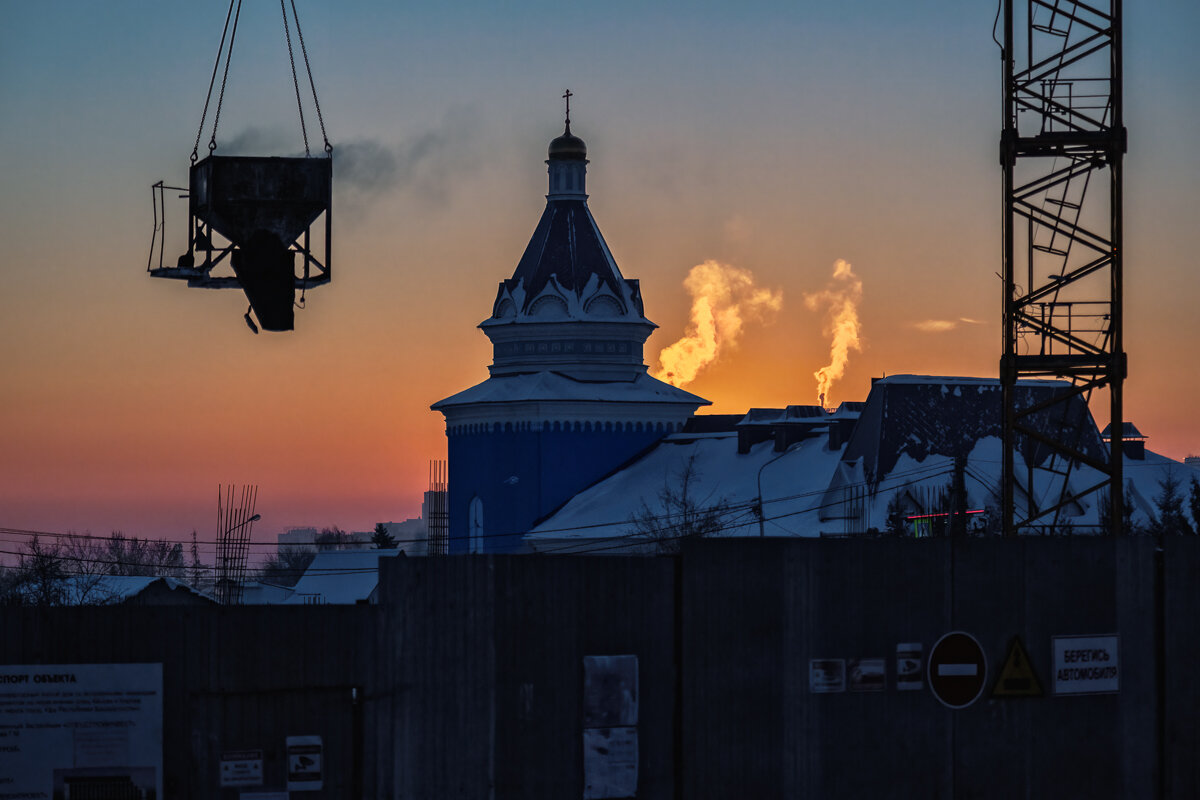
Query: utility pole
column 958, row 488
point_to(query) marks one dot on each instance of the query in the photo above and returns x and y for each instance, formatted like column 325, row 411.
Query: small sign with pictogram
column 304, row 764
column 957, row 670
column 1017, row 678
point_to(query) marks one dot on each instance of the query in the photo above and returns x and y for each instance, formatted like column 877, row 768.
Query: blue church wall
column 520, row 475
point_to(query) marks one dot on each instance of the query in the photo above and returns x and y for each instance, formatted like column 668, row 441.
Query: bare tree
column 87, row 566
column 290, row 561
column 334, row 538
column 134, row 556
column 70, row 569
column 198, row 576
column 286, row 567
column 41, row 574
column 53, row 573
column 680, row 513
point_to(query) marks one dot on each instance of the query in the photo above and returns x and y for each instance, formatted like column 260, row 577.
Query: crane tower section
column 1061, row 150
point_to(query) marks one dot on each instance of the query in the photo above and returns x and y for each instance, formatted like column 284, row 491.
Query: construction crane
column 253, row 215
column 1063, row 135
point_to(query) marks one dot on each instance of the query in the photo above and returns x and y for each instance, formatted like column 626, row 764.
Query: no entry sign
column 957, row 670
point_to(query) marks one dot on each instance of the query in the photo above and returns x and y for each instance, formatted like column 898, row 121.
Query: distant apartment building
column 300, row 537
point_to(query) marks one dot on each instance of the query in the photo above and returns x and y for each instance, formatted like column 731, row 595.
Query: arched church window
column 507, row 309
column 548, row 306
column 604, row 306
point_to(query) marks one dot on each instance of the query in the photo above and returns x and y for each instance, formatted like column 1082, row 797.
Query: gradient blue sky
column 776, row 137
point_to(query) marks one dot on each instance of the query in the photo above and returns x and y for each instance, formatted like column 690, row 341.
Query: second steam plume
column 840, row 300
column 723, row 298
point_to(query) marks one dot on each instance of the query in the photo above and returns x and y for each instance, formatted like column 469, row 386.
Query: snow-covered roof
column 258, row 593
column 547, row 385
column 1129, row 432
column 567, row 246
column 902, row 451
column 1144, row 478
column 114, row 589
column 339, row 576
column 923, row 416
column 962, row 380
column 790, row 414
column 599, row 519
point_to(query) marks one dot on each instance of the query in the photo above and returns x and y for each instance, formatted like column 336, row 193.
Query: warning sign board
column 304, row 764
column 1017, row 678
column 1087, row 664
column 957, row 669
column 242, row 768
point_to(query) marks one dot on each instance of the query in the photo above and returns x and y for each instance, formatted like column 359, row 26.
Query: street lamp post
column 231, row 562
column 762, row 510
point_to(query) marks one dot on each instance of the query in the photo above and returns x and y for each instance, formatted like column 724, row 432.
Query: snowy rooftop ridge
column 896, row 464
column 551, row 385
column 959, row 380
column 339, row 576
column 115, row 589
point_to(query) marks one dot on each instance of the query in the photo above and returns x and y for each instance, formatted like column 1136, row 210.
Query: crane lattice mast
column 1062, row 263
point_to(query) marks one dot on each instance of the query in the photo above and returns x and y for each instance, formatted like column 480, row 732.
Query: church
column 570, row 446
column 568, row 399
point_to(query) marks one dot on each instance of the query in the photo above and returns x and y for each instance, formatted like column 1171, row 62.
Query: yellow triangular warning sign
column 1016, row 675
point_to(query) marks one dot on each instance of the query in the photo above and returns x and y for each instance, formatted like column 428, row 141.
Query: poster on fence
column 610, row 718
column 826, row 675
column 610, row 762
column 81, row 730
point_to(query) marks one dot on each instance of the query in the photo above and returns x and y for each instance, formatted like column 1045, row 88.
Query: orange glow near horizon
column 737, row 151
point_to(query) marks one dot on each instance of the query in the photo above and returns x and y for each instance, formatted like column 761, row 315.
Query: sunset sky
column 775, row 137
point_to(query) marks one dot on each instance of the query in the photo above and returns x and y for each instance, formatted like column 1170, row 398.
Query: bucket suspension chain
column 311, row 83
column 229, row 33
column 212, row 142
column 295, row 81
column 211, row 82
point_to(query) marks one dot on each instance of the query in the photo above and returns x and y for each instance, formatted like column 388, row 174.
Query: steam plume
column 256, row 141
column 943, row 325
column 840, row 299
column 366, row 168
column 723, row 298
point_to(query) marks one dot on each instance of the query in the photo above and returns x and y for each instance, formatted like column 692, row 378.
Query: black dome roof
column 568, row 146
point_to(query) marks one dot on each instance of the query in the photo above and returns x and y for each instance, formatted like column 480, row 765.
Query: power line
column 911, row 476
column 584, row 547
column 665, row 518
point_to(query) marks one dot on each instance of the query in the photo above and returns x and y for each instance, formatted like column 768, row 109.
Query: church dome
column 568, row 146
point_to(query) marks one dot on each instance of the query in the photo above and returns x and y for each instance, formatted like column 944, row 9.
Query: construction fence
column 742, row 668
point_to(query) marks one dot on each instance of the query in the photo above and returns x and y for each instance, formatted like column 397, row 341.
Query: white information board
column 66, row 730
column 1087, row 664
